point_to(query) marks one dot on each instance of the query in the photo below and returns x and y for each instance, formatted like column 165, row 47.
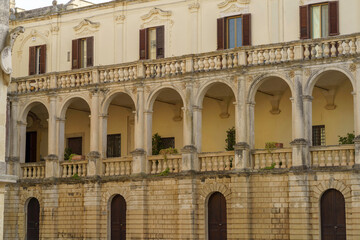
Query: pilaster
column 94, row 120
column 52, row 125
column 94, row 166
column 242, row 156
column 52, row 167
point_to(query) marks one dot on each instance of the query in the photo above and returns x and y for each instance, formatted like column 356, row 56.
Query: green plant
column 67, row 153
column 230, row 139
column 270, row 167
column 165, row 172
column 349, row 139
column 157, row 144
column 269, row 146
column 71, row 156
column 75, row 176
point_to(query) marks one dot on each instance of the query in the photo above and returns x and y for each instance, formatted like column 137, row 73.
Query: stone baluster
column 172, row 68
column 353, row 46
column 326, row 50
column 319, row 51
column 343, row 158
column 229, row 61
column 333, row 49
column 235, row 60
column 278, row 55
column 347, row 47
column 313, row 51
column 351, row 157
column 250, row 58
column 261, row 57
column 126, row 74
column 196, row 65
column 223, row 62
column 285, row 54
column 306, row 52
column 340, row 48
column 255, row 58
column 212, row 63
column 266, row 56
column 336, row 158
column 329, row 160
column 206, row 64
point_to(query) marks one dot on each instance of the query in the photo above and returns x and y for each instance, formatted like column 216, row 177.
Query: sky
column 31, row 4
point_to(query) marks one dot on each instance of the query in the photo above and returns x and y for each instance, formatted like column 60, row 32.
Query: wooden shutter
column 221, row 37
column 246, row 30
column 160, row 42
column 42, row 63
column 143, row 44
column 75, row 54
column 334, row 18
column 32, row 60
column 90, row 51
column 304, row 22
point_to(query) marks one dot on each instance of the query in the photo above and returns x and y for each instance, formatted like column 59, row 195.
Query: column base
column 190, row 160
column 139, row 163
column 242, row 156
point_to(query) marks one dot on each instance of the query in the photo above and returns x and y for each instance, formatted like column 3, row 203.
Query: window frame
column 37, row 59
column 227, row 30
column 320, row 128
column 144, row 42
column 77, row 59
column 311, row 18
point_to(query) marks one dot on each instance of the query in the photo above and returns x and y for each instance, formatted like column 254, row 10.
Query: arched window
column 333, row 226
column 118, row 218
column 33, row 214
column 217, row 226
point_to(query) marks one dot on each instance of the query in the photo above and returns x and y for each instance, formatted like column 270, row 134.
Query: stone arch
column 310, row 83
column 155, row 93
column 67, row 102
column 107, row 101
column 34, row 33
column 322, row 187
column 209, row 189
column 261, row 79
column 108, row 196
column 204, row 89
column 25, row 110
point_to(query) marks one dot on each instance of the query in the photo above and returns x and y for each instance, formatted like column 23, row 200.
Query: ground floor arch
column 118, row 218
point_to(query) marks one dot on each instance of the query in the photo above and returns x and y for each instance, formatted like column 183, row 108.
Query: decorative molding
column 86, row 27
column 120, row 18
column 228, row 2
column 209, row 189
column 194, row 7
column 233, row 7
column 306, row 2
column 156, row 11
column 352, row 67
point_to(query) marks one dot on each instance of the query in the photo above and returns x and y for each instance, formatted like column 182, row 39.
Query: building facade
column 249, row 98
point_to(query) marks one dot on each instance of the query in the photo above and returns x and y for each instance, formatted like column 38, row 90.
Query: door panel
column 33, row 213
column 217, row 217
column 31, row 147
column 333, row 225
column 75, row 144
column 118, row 218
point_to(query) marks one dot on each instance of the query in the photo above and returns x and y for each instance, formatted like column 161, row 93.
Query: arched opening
column 36, row 135
column 119, row 138
column 77, row 129
column 333, row 225
column 332, row 109
column 218, row 119
column 118, row 218
column 167, row 121
column 273, row 114
column 217, row 220
column 33, row 219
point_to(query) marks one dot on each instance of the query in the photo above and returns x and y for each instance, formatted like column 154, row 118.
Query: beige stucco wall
column 78, row 125
column 117, row 37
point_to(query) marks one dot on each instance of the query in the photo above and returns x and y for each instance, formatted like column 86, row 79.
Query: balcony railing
column 33, row 170
column 272, row 158
column 117, row 166
column 302, row 50
column 74, row 168
column 221, row 161
column 329, row 156
column 165, row 163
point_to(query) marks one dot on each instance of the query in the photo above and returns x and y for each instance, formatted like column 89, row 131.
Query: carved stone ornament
column 352, row 67
column 194, row 7
column 233, row 7
column 86, row 26
column 120, row 19
column 306, row 2
column 226, row 3
column 156, row 11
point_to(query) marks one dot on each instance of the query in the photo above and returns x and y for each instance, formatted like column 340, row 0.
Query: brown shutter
column 304, row 22
column 32, row 60
column 334, row 18
column 42, row 63
column 221, row 37
column 75, row 54
column 143, row 44
column 160, row 39
column 246, row 30
column 90, row 51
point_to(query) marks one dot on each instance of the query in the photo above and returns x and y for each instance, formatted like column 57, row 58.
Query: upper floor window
column 234, row 31
column 152, row 43
column 83, row 52
column 319, row 20
column 37, row 60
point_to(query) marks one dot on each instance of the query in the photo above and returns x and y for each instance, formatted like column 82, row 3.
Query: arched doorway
column 217, row 224
column 118, row 218
column 333, row 226
column 33, row 219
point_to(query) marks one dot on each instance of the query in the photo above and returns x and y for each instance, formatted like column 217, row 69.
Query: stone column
column 94, row 121
column 52, row 126
column 148, row 132
column 14, row 148
column 22, row 130
column 251, row 128
column 356, row 94
column 242, row 147
column 307, row 101
column 194, row 9
column 139, row 154
column 103, row 134
column 197, row 112
column 60, row 140
column 189, row 152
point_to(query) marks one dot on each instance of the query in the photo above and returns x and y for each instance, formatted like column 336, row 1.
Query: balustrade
column 117, row 166
column 165, row 163
column 33, row 170
column 221, row 161
column 73, row 168
column 164, row 68
column 276, row 158
column 329, row 156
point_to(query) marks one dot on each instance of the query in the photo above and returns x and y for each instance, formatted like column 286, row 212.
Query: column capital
column 307, row 98
column 251, row 103
column 60, row 119
column 21, row 123
column 299, row 142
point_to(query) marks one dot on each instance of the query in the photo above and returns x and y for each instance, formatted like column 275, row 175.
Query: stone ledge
column 8, row 178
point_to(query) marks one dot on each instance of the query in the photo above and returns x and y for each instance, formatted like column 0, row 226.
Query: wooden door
column 75, row 144
column 31, row 146
column 333, row 226
column 33, row 213
column 217, row 217
column 118, row 218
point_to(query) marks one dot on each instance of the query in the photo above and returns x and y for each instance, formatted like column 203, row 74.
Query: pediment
column 156, row 12
column 86, row 26
column 227, row 3
column 306, row 2
column 233, row 7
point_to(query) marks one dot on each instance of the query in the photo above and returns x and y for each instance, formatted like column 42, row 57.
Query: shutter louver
column 32, row 60
column 160, row 39
column 334, row 18
column 90, row 51
column 75, row 54
column 42, row 63
column 246, row 31
column 221, row 33
column 304, row 22
column 143, row 44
